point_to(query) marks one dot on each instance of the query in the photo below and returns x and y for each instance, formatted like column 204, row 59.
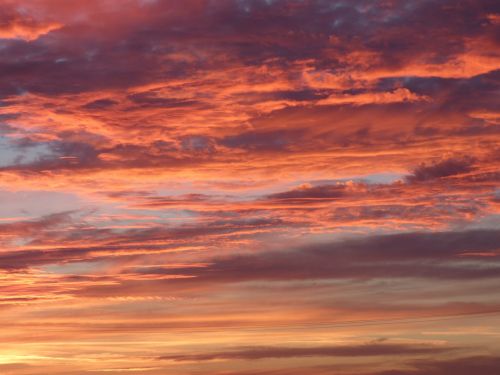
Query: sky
column 250, row 187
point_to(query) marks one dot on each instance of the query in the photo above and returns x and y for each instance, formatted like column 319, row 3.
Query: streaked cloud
column 249, row 187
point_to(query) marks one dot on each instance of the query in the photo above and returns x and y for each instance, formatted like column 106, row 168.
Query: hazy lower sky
column 250, row 187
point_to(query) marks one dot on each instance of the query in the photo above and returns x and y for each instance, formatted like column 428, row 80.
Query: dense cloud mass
column 250, row 187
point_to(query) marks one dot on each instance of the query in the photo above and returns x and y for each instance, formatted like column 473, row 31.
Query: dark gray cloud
column 442, row 168
column 432, row 255
column 312, row 192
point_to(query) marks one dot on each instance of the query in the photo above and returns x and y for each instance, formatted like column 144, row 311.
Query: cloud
column 364, row 350
column 235, row 155
column 437, row 255
column 15, row 24
column 100, row 104
column 398, row 95
column 443, row 168
column 55, row 239
column 32, row 227
column 486, row 365
column 310, row 192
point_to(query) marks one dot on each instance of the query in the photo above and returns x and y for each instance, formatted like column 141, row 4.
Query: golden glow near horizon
column 249, row 187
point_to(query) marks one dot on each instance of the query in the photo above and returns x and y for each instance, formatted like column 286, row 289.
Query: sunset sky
column 250, row 187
